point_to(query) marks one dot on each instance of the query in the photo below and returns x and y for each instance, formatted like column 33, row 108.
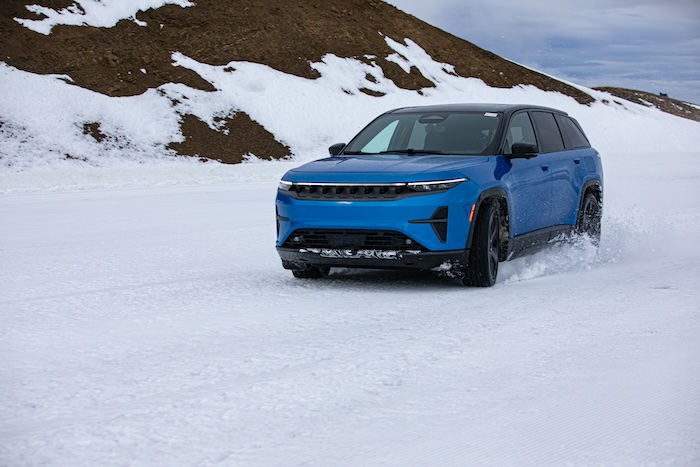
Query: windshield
column 450, row 133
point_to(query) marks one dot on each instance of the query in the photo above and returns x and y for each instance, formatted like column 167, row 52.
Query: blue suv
column 450, row 188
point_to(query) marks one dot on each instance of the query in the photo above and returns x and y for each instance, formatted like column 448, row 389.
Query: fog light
column 408, row 241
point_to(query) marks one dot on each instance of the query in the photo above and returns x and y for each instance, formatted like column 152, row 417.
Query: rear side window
column 572, row 133
column 548, row 131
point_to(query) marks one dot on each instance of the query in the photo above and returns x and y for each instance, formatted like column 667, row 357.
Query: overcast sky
column 651, row 45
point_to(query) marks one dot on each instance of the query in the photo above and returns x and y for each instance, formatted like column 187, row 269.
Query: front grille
column 352, row 239
column 351, row 192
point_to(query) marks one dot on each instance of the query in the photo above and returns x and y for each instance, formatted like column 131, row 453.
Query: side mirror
column 336, row 149
column 523, row 151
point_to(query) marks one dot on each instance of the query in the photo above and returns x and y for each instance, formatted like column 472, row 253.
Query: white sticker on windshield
column 490, row 114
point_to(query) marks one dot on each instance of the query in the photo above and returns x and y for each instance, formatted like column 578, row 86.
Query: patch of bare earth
column 234, row 139
column 661, row 102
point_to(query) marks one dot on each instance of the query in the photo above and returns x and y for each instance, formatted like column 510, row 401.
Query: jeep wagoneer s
column 454, row 188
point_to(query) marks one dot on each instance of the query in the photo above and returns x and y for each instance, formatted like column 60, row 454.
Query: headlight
column 438, row 185
column 285, row 185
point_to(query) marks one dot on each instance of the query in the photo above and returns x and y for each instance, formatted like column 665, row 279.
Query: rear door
column 563, row 164
column 528, row 180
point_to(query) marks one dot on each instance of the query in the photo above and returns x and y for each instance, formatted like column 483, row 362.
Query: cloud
column 599, row 42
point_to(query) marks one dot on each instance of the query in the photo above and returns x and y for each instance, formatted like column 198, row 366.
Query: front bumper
column 304, row 258
column 412, row 217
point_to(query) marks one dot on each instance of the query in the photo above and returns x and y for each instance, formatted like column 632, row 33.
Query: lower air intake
column 353, row 239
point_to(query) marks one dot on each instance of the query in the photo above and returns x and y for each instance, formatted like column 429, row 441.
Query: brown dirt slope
column 661, row 102
column 284, row 34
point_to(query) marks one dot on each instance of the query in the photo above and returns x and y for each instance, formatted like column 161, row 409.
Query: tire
column 589, row 218
column 312, row 273
column 483, row 256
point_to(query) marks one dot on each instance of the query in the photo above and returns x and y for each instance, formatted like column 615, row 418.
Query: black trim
column 343, row 192
column 595, row 184
column 532, row 242
column 351, row 239
column 375, row 259
column 438, row 221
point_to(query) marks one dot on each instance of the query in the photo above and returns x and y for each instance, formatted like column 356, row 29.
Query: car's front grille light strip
column 369, row 191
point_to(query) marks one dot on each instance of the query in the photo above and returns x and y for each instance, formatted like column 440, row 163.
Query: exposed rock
column 660, row 101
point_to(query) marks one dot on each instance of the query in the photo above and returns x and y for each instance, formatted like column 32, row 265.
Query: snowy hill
column 132, row 85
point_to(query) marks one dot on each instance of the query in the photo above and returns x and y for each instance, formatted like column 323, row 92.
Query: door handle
column 577, row 161
column 545, row 168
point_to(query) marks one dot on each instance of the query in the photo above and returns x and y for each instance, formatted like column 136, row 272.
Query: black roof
column 504, row 108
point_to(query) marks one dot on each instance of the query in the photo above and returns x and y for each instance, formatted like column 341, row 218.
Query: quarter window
column 573, row 136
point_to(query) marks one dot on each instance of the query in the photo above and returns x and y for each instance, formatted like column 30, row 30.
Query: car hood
column 384, row 168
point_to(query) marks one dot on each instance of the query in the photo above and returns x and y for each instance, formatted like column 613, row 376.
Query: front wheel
column 483, row 255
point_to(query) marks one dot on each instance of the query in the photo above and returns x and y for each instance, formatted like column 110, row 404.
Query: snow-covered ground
column 155, row 326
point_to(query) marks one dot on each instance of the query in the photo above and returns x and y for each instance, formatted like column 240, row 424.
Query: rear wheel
column 312, row 272
column 589, row 217
column 483, row 255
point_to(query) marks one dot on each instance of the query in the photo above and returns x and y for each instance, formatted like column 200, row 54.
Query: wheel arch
column 591, row 186
column 499, row 197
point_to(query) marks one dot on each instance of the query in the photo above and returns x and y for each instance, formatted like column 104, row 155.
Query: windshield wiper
column 412, row 151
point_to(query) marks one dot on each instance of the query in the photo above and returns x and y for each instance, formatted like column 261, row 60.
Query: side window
column 548, row 131
column 519, row 131
column 572, row 133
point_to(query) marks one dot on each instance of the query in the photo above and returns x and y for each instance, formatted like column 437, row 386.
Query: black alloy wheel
column 483, row 256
